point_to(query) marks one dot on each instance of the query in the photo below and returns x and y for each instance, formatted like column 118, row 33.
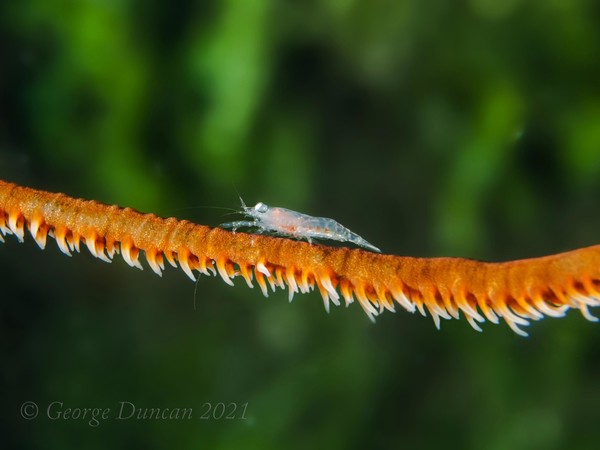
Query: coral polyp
column 515, row 291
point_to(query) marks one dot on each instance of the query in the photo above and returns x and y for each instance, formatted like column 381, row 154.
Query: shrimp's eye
column 261, row 207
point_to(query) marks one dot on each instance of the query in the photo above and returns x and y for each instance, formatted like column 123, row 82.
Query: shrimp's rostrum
column 285, row 222
column 515, row 291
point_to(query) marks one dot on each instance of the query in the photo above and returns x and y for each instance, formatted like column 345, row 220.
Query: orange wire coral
column 516, row 291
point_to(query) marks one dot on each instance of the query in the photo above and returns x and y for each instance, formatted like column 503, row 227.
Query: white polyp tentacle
column 529, row 309
column 13, row 224
column 403, row 300
column 222, row 270
column 183, row 262
column 210, row 267
column 34, row 226
column 60, row 238
column 279, row 278
column 421, row 309
column 346, row 293
column 271, row 281
column 507, row 313
column 131, row 259
column 160, row 261
column 75, row 241
column 385, row 299
column 487, row 312
column 325, row 301
column 472, row 322
column 103, row 256
column 260, row 279
column 39, row 235
column 559, row 311
column 303, row 283
column 126, row 256
column 513, row 326
column 384, row 304
column 90, row 243
column 263, row 269
column 110, row 250
column 203, row 269
column 247, row 274
column 438, row 309
column 435, row 317
column 333, row 295
column 292, row 285
column 512, row 319
column 585, row 312
column 580, row 298
column 169, row 255
column 365, row 303
column 153, row 263
column 470, row 311
column 4, row 229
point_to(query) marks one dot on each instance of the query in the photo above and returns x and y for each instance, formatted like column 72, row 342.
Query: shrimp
column 285, row 222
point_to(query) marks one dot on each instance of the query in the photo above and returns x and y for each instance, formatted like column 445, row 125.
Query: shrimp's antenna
column 239, row 196
column 186, row 208
column 196, row 291
column 235, row 211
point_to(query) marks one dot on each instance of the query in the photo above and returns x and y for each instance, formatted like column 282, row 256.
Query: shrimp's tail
column 356, row 239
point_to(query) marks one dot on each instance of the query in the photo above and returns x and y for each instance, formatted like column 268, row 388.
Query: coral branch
column 517, row 291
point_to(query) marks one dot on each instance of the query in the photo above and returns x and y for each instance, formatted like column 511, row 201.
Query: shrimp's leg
column 238, row 224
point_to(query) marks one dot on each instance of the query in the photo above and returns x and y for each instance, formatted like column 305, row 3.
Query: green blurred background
column 431, row 128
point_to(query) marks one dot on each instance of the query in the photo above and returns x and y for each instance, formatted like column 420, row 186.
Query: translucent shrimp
column 285, row 222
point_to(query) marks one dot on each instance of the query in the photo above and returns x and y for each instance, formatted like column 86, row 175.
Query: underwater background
column 430, row 128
